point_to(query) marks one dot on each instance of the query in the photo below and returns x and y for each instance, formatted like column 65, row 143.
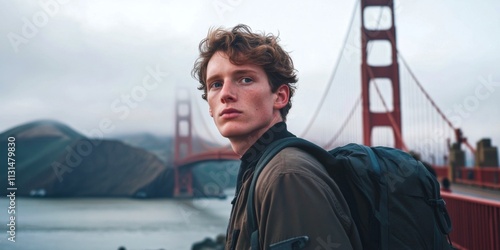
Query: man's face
column 240, row 98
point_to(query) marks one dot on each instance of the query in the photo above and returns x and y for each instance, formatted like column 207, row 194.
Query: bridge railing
column 483, row 177
column 475, row 221
column 488, row 177
column 441, row 171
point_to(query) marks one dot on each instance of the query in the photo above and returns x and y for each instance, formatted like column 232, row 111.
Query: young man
column 248, row 81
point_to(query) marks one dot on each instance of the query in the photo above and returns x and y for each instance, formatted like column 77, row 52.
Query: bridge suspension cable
column 430, row 116
column 458, row 132
column 424, row 91
column 209, row 132
column 389, row 113
column 332, row 76
column 339, row 132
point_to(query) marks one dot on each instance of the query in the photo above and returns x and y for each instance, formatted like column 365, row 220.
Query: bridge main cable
column 331, row 142
column 419, row 85
column 330, row 81
column 458, row 132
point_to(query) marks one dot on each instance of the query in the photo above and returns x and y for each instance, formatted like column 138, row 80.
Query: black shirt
column 252, row 155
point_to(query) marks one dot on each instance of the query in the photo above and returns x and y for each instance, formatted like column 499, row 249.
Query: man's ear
column 210, row 112
column 282, row 96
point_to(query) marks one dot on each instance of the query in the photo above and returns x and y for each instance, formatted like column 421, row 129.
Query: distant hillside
column 51, row 159
column 161, row 146
column 37, row 145
column 221, row 173
column 43, row 128
column 54, row 158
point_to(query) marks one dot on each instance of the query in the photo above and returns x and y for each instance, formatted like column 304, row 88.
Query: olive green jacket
column 294, row 197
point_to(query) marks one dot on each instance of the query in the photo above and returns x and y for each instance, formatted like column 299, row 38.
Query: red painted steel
column 391, row 119
column 488, row 177
column 441, row 171
column 475, row 221
column 223, row 154
column 183, row 152
column 183, row 186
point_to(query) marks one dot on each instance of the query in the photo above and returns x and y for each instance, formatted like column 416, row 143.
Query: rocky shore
column 207, row 244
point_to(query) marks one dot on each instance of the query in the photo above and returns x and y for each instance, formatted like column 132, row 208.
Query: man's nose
column 228, row 92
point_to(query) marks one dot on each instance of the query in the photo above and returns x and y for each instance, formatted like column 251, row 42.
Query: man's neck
column 241, row 148
column 241, row 144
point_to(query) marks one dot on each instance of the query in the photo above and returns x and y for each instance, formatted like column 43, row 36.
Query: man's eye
column 216, row 85
column 246, row 80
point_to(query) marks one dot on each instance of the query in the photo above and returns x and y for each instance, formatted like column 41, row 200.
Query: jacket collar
column 253, row 154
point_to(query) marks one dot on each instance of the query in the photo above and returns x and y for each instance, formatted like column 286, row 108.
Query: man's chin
column 232, row 132
column 240, row 131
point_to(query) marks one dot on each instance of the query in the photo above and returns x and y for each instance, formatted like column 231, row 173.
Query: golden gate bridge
column 378, row 96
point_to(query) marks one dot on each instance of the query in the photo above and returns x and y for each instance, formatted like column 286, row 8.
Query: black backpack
column 394, row 200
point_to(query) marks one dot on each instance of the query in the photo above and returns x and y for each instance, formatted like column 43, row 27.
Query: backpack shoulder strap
column 383, row 209
column 272, row 150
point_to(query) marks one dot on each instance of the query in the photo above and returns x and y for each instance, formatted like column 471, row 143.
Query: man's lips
column 229, row 113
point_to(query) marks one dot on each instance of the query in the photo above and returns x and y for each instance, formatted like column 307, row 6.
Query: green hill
column 55, row 159
column 51, row 159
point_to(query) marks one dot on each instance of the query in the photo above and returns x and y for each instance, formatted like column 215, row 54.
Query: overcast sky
column 85, row 63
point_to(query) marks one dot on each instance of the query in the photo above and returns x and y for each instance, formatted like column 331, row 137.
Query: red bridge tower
column 371, row 74
column 183, row 186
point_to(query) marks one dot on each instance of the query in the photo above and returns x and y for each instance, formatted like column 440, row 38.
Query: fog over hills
column 51, row 159
column 161, row 146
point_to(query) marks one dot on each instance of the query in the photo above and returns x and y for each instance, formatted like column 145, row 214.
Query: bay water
column 108, row 223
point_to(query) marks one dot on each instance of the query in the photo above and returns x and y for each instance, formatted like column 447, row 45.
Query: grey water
column 108, row 223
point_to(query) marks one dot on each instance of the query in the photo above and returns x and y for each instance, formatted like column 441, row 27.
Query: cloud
column 90, row 53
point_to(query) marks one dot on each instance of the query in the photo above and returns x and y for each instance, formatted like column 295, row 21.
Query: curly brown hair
column 242, row 46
